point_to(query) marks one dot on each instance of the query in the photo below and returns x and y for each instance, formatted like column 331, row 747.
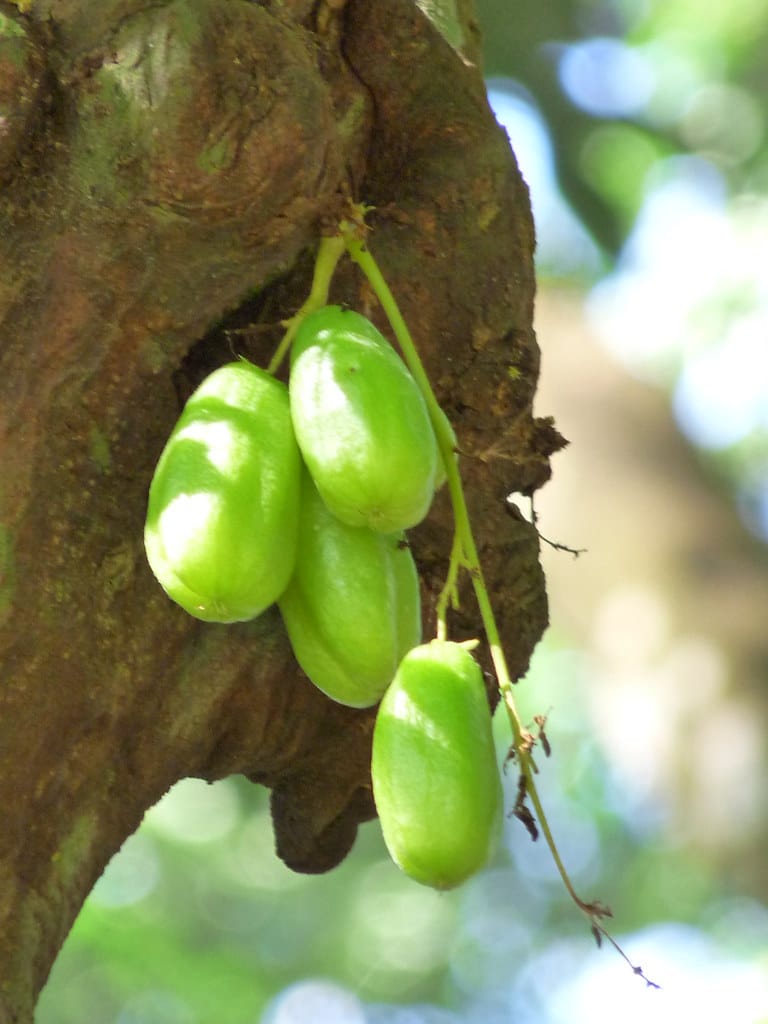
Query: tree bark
column 167, row 168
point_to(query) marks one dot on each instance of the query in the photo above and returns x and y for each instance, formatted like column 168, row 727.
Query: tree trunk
column 162, row 166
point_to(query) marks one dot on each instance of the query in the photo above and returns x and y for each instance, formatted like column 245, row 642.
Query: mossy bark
column 174, row 168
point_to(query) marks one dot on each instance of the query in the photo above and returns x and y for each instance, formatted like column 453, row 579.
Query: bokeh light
column 606, row 77
column 564, row 247
column 195, row 812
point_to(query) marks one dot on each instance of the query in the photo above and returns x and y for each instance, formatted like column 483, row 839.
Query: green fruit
column 352, row 608
column 361, row 422
column 223, row 506
column 435, row 778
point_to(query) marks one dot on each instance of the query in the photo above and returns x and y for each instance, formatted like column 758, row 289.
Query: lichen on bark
column 181, row 161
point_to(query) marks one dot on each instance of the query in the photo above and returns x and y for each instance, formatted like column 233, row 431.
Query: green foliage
column 197, row 920
column 673, row 82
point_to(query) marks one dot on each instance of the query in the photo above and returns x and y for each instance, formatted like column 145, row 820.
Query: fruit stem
column 464, row 549
column 329, row 253
column 449, row 593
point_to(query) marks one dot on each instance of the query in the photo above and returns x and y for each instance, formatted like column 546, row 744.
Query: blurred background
column 640, row 127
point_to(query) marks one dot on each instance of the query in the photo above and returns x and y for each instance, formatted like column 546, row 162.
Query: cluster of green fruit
column 301, row 495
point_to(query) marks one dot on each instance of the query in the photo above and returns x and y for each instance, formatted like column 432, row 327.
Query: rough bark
column 162, row 162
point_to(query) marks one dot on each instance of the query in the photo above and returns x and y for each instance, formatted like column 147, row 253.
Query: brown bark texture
column 166, row 171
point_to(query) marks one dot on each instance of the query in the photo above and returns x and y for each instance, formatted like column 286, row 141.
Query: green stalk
column 329, row 253
column 449, row 594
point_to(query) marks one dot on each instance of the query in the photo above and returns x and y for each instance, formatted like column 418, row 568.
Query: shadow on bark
column 168, row 168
